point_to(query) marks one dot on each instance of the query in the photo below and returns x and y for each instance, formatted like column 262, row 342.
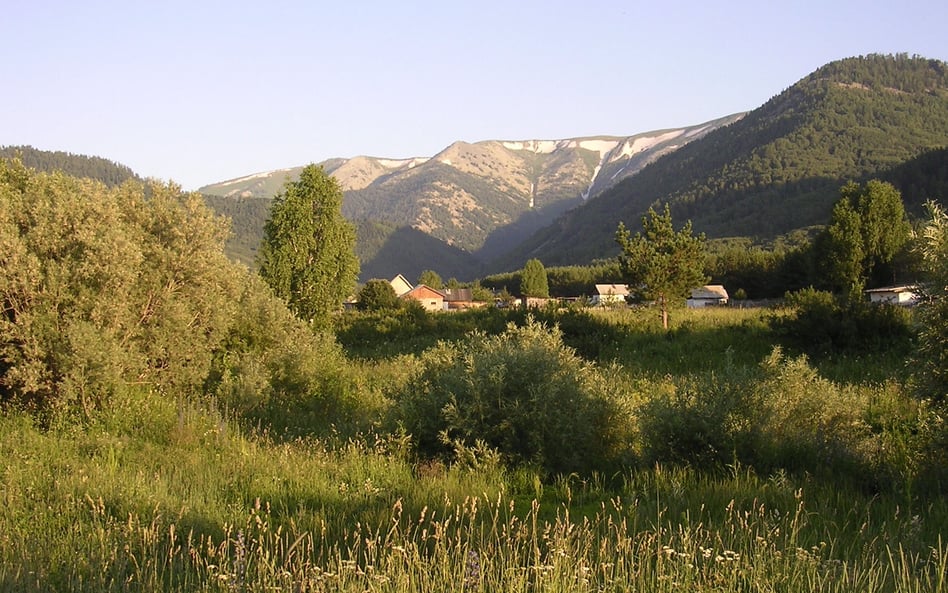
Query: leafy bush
column 816, row 322
column 521, row 392
column 101, row 288
column 105, row 291
column 276, row 371
column 783, row 417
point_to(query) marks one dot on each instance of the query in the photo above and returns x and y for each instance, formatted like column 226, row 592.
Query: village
column 606, row 295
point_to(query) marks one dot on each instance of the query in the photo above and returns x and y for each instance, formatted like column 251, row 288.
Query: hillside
column 777, row 169
column 76, row 165
column 482, row 197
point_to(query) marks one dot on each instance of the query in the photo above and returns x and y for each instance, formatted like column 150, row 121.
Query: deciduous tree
column 533, row 281
column 307, row 254
column 431, row 279
column 660, row 264
column 932, row 246
column 377, row 295
column 867, row 230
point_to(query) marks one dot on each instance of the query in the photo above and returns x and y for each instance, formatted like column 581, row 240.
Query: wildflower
column 472, row 571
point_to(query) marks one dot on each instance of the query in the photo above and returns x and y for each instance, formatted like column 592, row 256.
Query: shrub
column 521, row 392
column 784, row 416
column 816, row 322
column 274, row 370
column 101, row 288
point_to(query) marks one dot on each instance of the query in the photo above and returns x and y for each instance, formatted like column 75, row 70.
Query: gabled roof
column 400, row 284
column 423, row 291
column 612, row 289
column 709, row 291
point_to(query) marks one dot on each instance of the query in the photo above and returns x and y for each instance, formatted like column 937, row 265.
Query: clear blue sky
column 199, row 92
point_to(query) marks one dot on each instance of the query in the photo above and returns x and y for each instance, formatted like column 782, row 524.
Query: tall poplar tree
column 660, row 264
column 307, row 254
column 867, row 231
column 533, row 281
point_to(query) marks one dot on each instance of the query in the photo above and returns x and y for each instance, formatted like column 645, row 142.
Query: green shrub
column 106, row 287
column 274, row 370
column 783, row 416
column 817, row 322
column 522, row 393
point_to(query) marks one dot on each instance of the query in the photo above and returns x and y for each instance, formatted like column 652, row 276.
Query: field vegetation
column 189, row 433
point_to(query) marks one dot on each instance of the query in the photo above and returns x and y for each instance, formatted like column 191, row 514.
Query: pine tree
column 660, row 264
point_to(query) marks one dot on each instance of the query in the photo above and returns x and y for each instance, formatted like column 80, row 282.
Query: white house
column 610, row 294
column 709, row 294
column 904, row 295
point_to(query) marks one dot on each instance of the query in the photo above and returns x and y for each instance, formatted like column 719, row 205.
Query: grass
column 87, row 513
column 164, row 495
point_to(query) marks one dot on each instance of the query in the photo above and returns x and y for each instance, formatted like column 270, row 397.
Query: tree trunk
column 664, row 306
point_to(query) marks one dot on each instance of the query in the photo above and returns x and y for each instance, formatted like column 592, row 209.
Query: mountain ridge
column 776, row 170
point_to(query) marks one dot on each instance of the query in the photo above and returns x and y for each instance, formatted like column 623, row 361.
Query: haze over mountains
column 485, row 207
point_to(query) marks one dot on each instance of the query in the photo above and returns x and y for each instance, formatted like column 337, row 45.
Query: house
column 430, row 299
column 905, row 295
column 400, row 284
column 709, row 294
column 459, row 298
column 610, row 294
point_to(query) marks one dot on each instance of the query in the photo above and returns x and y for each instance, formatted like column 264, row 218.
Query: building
column 430, row 299
column 400, row 284
column 709, row 294
column 904, row 295
column 610, row 294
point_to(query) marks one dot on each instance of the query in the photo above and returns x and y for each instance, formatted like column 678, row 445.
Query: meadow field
column 594, row 452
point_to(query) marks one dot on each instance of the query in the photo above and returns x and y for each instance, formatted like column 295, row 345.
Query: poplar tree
column 533, row 282
column 307, row 254
column 867, row 230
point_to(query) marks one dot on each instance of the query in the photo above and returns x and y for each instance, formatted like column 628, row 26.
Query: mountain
column 780, row 167
column 481, row 198
column 76, row 165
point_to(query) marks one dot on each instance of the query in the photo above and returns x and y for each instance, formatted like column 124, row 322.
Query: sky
column 199, row 92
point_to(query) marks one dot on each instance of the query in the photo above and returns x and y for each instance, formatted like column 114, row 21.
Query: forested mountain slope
column 482, row 197
column 76, row 165
column 777, row 169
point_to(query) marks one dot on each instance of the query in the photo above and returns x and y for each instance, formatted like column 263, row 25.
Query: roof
column 400, row 284
column 613, row 289
column 453, row 295
column 894, row 289
column 423, row 291
column 709, row 291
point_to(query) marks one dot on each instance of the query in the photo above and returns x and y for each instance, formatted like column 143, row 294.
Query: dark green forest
column 778, row 169
column 91, row 167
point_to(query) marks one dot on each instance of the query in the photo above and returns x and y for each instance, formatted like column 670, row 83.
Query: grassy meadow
column 736, row 467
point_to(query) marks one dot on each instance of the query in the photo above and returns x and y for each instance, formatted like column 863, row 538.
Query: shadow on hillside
column 503, row 240
column 409, row 252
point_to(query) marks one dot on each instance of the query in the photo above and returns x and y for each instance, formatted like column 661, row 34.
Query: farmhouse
column 709, row 294
column 610, row 294
column 430, row 299
column 904, row 295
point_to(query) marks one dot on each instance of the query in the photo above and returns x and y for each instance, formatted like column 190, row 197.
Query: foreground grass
column 165, row 495
column 198, row 506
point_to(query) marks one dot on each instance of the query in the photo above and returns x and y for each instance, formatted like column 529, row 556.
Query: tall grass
column 358, row 518
column 164, row 495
